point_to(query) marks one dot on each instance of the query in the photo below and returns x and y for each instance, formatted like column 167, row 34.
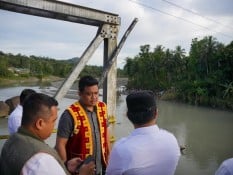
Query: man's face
column 89, row 96
column 48, row 123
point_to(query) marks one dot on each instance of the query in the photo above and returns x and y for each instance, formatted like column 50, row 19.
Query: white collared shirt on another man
column 14, row 119
column 147, row 151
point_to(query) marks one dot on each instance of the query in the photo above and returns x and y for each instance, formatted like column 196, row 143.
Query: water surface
column 206, row 133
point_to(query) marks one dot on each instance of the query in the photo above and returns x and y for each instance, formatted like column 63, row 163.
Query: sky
column 160, row 22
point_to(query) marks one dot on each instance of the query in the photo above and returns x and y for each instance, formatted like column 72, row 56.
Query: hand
column 87, row 169
column 73, row 163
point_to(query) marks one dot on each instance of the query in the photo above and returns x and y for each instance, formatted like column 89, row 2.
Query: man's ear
column 39, row 123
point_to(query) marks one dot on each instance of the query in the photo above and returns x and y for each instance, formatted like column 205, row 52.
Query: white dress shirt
column 226, row 168
column 42, row 163
column 147, row 151
column 14, row 120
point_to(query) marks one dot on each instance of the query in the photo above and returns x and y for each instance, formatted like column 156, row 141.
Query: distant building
column 19, row 71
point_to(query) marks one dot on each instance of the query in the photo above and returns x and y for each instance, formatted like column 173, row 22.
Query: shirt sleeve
column 115, row 164
column 65, row 125
column 224, row 168
column 42, row 163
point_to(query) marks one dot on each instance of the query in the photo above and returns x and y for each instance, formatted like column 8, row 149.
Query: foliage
column 25, row 66
column 205, row 77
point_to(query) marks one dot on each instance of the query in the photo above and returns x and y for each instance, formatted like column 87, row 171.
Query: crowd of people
column 82, row 143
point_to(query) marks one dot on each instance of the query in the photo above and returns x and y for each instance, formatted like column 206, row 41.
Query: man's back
column 14, row 120
column 147, row 151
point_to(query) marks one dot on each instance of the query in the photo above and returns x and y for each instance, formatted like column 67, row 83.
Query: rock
column 182, row 148
column 4, row 109
column 12, row 103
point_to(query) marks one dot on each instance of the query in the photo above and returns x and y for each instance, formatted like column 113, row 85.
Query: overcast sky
column 161, row 22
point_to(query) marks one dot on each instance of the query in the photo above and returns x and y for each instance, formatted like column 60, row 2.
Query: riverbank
column 212, row 102
column 30, row 81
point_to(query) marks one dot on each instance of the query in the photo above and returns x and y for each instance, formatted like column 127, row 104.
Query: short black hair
column 34, row 105
column 87, row 81
column 24, row 94
column 141, row 106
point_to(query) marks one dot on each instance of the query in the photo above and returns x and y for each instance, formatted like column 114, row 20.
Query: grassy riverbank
column 29, row 81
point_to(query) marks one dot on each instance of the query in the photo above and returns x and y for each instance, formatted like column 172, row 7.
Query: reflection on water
column 206, row 133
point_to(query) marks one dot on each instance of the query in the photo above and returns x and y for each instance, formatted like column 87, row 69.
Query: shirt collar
column 84, row 107
column 146, row 130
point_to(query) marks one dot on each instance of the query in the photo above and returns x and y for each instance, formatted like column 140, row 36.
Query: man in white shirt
column 148, row 149
column 26, row 153
column 226, row 168
column 14, row 119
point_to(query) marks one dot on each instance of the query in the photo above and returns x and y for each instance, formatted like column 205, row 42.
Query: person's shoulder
column 120, row 141
column 65, row 113
column 165, row 132
column 228, row 163
column 225, row 168
column 15, row 117
column 230, row 160
column 17, row 111
column 66, row 117
column 167, row 135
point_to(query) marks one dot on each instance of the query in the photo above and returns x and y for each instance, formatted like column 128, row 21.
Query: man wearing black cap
column 148, row 149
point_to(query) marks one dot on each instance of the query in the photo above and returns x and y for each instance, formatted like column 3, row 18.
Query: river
column 206, row 133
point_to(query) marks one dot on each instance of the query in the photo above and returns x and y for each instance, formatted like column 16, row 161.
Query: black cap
column 140, row 101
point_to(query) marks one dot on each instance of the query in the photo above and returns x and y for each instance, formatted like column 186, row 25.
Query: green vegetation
column 20, row 68
column 21, row 65
column 205, row 77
